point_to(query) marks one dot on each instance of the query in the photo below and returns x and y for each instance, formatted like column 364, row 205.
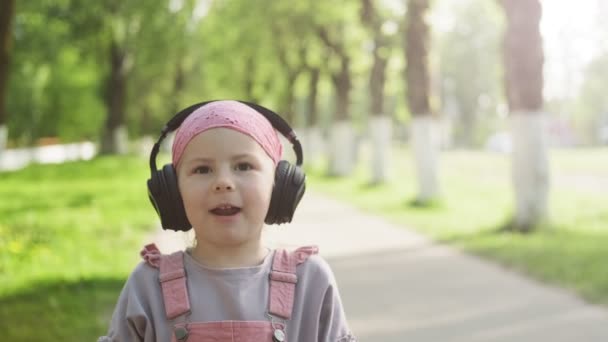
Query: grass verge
column 69, row 236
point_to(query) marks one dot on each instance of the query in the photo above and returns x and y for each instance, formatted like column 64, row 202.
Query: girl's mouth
column 225, row 210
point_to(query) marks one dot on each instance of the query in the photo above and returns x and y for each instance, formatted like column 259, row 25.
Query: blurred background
column 482, row 124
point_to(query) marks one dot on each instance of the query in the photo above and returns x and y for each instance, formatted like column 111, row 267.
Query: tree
column 7, row 13
column 54, row 80
column 161, row 80
column 116, row 34
column 523, row 61
column 240, row 61
column 291, row 39
column 332, row 34
column 313, row 137
column 417, row 78
column 380, row 122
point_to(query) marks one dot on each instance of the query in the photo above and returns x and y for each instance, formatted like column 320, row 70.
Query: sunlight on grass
column 70, row 235
column 72, row 221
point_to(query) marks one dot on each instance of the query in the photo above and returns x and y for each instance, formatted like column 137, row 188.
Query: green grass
column 69, row 236
column 477, row 200
column 62, row 311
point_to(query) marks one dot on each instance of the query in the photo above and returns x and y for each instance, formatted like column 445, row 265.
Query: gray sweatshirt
column 237, row 294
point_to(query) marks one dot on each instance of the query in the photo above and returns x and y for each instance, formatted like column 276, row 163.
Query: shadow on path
column 60, row 311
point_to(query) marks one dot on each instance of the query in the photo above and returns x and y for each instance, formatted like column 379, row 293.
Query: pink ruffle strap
column 302, row 253
column 283, row 279
column 172, row 277
column 151, row 255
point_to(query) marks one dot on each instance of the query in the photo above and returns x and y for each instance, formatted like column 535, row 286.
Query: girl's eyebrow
column 210, row 160
column 199, row 159
column 242, row 155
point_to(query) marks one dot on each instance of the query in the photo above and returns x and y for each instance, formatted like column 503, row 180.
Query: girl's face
column 225, row 179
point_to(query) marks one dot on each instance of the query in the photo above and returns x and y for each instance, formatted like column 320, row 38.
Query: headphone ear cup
column 166, row 199
column 154, row 191
column 288, row 190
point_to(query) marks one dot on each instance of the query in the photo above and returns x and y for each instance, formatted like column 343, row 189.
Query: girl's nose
column 223, row 182
column 219, row 187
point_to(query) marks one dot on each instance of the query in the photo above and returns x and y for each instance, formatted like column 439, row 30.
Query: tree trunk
column 115, row 137
column 179, row 82
column 313, row 91
column 377, row 80
column 146, row 124
column 523, row 59
column 250, row 80
column 287, row 113
column 416, row 55
column 425, row 146
column 342, row 86
column 342, row 151
column 380, row 131
column 7, row 13
column 312, row 134
column 380, row 123
column 289, row 98
column 424, row 141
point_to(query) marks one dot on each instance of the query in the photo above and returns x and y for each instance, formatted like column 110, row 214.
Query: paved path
column 399, row 286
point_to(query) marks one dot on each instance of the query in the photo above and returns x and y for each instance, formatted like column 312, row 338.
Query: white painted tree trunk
column 380, row 131
column 312, row 144
column 3, row 137
column 425, row 141
column 315, row 144
column 341, row 148
column 145, row 144
column 167, row 144
column 530, row 168
column 121, row 139
column 288, row 152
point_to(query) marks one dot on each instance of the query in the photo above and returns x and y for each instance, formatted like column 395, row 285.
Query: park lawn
column 477, row 200
column 69, row 236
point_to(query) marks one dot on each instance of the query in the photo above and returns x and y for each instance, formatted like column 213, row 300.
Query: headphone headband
column 275, row 120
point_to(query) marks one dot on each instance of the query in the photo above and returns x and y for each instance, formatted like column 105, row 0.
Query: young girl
column 225, row 181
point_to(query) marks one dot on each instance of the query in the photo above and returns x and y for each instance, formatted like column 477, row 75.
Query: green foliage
column 476, row 202
column 52, row 87
column 61, row 65
column 469, row 53
column 72, row 221
column 234, row 54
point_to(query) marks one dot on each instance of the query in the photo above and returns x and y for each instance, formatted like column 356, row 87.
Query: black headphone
column 289, row 183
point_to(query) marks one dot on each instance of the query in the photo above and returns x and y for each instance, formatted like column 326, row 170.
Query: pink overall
column 282, row 287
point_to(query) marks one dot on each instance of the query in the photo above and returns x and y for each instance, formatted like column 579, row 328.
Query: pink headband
column 228, row 114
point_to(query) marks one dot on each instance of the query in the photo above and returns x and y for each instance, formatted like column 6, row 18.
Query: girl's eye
column 202, row 169
column 244, row 166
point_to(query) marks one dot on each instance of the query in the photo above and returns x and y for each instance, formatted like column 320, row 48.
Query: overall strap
column 283, row 279
column 172, row 277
